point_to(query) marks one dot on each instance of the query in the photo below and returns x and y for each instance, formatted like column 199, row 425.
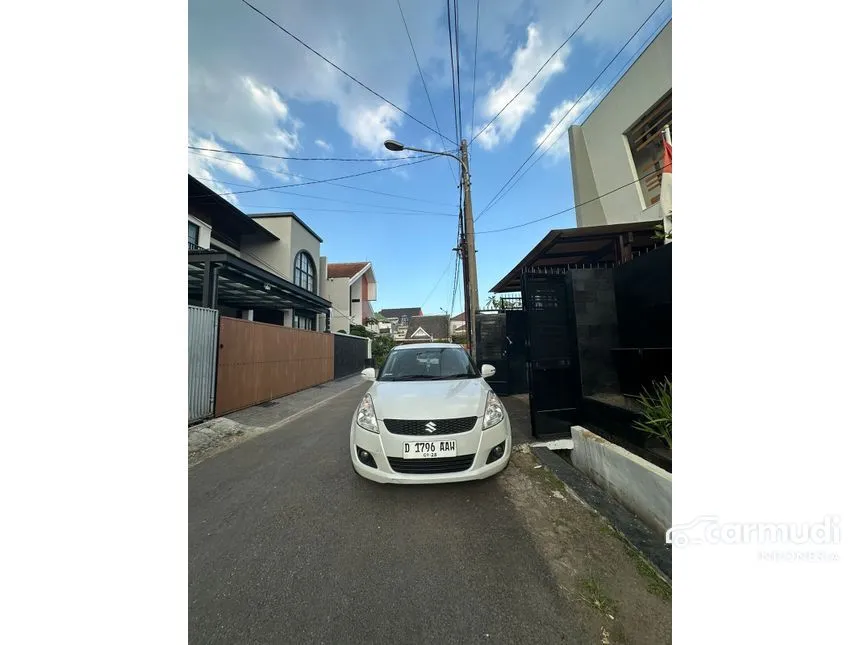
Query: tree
column 359, row 330
column 380, row 347
column 494, row 302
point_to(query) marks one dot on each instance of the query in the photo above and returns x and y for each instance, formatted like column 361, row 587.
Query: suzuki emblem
column 430, row 427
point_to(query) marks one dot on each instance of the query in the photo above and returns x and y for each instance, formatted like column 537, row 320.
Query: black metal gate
column 555, row 386
column 501, row 337
column 491, row 348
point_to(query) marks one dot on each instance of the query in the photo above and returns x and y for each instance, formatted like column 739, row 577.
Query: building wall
column 601, row 160
column 596, row 329
column 338, row 295
column 365, row 303
column 356, row 307
column 272, row 256
column 280, row 255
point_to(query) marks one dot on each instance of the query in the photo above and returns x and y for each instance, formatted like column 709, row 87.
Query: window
column 303, row 321
column 646, row 147
column 193, row 235
column 304, row 273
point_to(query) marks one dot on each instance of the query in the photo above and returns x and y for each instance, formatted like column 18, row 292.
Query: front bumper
column 476, row 441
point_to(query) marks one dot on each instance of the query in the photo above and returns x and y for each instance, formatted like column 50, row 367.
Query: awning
column 588, row 245
column 242, row 285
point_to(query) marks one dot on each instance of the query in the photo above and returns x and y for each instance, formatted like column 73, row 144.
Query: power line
column 495, row 201
column 424, row 83
column 435, row 286
column 292, row 174
column 347, row 210
column 475, row 63
column 457, row 49
column 327, row 199
column 322, row 181
column 459, row 249
column 343, row 71
column 259, row 154
column 540, row 69
column 562, row 133
column 453, row 75
column 566, row 210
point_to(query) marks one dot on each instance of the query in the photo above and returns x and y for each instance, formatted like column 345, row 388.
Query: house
column 351, row 287
column 458, row 324
column 425, row 329
column 381, row 324
column 621, row 141
column 399, row 319
column 257, row 267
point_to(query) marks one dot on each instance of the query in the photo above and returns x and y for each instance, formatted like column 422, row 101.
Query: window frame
column 305, row 277
column 196, row 229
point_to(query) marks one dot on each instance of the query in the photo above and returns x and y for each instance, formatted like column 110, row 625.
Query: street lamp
column 470, row 270
column 396, row 146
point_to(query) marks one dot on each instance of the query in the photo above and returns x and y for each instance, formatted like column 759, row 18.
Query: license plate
column 429, row 449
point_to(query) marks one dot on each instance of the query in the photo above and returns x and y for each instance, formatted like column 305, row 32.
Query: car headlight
column 367, row 415
column 493, row 412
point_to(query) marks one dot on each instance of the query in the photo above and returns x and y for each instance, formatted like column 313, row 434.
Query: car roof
column 426, row 346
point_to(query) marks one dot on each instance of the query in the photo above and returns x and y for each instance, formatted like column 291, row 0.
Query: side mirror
column 487, row 371
column 369, row 374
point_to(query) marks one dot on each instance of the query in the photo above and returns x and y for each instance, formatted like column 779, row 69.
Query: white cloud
column 556, row 142
column 229, row 37
column 245, row 75
column 242, row 112
column 552, row 22
column 525, row 62
column 371, row 126
column 230, row 164
column 201, row 169
column 325, row 145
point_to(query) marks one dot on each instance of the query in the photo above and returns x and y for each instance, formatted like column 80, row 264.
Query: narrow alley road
column 288, row 545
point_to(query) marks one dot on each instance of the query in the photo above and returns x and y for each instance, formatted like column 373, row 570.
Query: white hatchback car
column 429, row 418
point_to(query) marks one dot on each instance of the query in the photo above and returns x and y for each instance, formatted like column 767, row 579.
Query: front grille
column 431, row 466
column 419, row 428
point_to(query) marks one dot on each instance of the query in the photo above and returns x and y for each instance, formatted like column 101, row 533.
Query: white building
column 621, row 142
column 257, row 267
column 351, row 287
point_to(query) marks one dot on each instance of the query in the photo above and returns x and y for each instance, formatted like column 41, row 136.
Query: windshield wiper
column 451, row 377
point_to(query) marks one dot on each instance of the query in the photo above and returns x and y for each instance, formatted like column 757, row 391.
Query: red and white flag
column 666, row 183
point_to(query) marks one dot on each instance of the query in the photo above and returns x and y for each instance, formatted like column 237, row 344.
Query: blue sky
column 252, row 88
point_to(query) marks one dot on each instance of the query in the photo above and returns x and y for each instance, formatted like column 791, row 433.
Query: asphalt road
column 288, row 545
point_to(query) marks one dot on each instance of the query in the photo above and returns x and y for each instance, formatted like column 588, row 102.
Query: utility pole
column 470, row 270
column 467, row 242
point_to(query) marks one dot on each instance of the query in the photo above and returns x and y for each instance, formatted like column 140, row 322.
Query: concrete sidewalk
column 216, row 435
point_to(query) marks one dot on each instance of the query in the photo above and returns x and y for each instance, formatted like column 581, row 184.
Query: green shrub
column 657, row 412
column 380, row 347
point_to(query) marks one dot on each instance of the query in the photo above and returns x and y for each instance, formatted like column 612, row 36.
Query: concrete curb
column 638, row 535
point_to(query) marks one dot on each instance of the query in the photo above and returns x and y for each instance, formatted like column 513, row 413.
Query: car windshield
column 444, row 363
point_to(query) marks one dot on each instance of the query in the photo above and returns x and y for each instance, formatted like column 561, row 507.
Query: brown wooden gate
column 258, row 362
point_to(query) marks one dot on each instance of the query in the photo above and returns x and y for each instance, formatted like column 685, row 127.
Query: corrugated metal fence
column 202, row 351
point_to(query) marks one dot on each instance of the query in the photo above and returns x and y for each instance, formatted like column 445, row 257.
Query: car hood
column 429, row 399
